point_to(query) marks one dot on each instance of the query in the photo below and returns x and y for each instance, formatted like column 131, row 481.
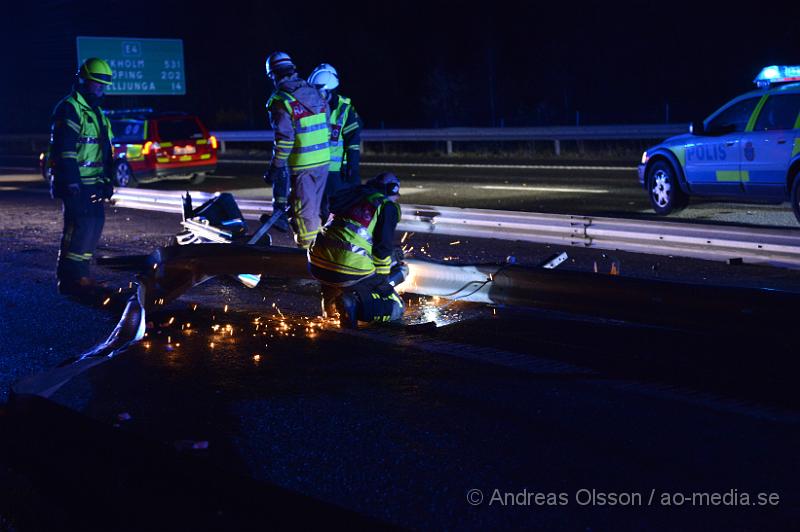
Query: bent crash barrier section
column 163, row 277
column 169, row 272
column 773, row 246
column 699, row 307
column 129, row 330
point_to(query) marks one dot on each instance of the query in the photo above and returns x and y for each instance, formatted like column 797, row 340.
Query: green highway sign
column 139, row 66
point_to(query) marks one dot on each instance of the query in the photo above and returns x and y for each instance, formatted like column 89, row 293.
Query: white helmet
column 387, row 182
column 279, row 64
column 324, row 77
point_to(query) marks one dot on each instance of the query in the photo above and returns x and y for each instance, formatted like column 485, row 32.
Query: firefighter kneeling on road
column 352, row 255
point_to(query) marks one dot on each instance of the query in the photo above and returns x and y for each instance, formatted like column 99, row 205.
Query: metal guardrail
column 777, row 247
column 555, row 134
column 640, row 131
column 463, row 134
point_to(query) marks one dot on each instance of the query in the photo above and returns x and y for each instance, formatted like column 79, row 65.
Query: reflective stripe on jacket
column 338, row 119
column 344, row 244
column 311, row 135
column 89, row 150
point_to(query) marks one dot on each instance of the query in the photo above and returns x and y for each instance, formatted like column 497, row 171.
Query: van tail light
column 213, row 140
column 150, row 145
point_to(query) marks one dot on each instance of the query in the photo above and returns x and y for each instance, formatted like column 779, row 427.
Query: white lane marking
column 454, row 165
column 264, row 193
column 21, row 169
column 31, row 190
column 243, row 161
column 567, row 190
column 503, row 166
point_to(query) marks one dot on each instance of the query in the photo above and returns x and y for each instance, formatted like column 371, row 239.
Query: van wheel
column 795, row 196
column 663, row 189
column 196, row 179
column 123, row 175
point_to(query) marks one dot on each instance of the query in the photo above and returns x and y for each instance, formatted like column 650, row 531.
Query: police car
column 748, row 150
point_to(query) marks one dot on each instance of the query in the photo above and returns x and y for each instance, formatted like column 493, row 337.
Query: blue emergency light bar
column 777, row 74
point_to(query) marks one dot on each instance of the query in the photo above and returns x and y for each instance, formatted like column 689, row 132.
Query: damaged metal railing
column 129, row 330
column 169, row 272
column 774, row 246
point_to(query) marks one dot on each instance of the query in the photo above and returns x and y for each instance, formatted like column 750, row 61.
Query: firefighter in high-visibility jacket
column 301, row 154
column 345, row 134
column 81, row 157
column 353, row 255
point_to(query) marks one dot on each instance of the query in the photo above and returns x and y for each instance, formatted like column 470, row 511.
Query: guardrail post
column 222, row 146
column 557, row 145
column 362, row 148
column 449, row 147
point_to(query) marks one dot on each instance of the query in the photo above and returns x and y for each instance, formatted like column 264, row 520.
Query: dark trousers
column 280, row 192
column 333, row 184
column 83, row 225
column 377, row 299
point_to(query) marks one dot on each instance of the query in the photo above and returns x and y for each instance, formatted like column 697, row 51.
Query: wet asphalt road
column 603, row 188
column 585, row 187
column 401, row 426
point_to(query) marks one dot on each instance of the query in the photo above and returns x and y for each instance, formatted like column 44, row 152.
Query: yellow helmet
column 95, row 69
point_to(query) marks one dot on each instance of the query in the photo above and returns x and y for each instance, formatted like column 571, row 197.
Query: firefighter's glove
column 59, row 189
column 398, row 255
column 351, row 175
column 275, row 174
column 398, row 274
column 382, row 286
column 106, row 191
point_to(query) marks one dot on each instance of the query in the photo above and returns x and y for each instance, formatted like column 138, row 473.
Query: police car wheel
column 664, row 191
column 795, row 197
column 123, row 175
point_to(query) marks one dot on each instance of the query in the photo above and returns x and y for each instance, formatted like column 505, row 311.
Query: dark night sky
column 416, row 64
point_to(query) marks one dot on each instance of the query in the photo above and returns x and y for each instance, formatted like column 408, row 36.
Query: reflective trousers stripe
column 78, row 256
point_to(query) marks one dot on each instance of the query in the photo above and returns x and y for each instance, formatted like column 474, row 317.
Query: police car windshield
column 179, row 129
column 780, row 112
column 734, row 118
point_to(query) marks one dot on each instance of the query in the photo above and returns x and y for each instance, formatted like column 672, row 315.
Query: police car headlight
column 644, row 158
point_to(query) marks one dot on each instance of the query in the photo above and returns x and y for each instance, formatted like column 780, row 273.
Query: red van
column 150, row 146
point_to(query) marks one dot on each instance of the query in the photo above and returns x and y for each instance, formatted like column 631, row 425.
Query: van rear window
column 128, row 131
column 179, row 129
